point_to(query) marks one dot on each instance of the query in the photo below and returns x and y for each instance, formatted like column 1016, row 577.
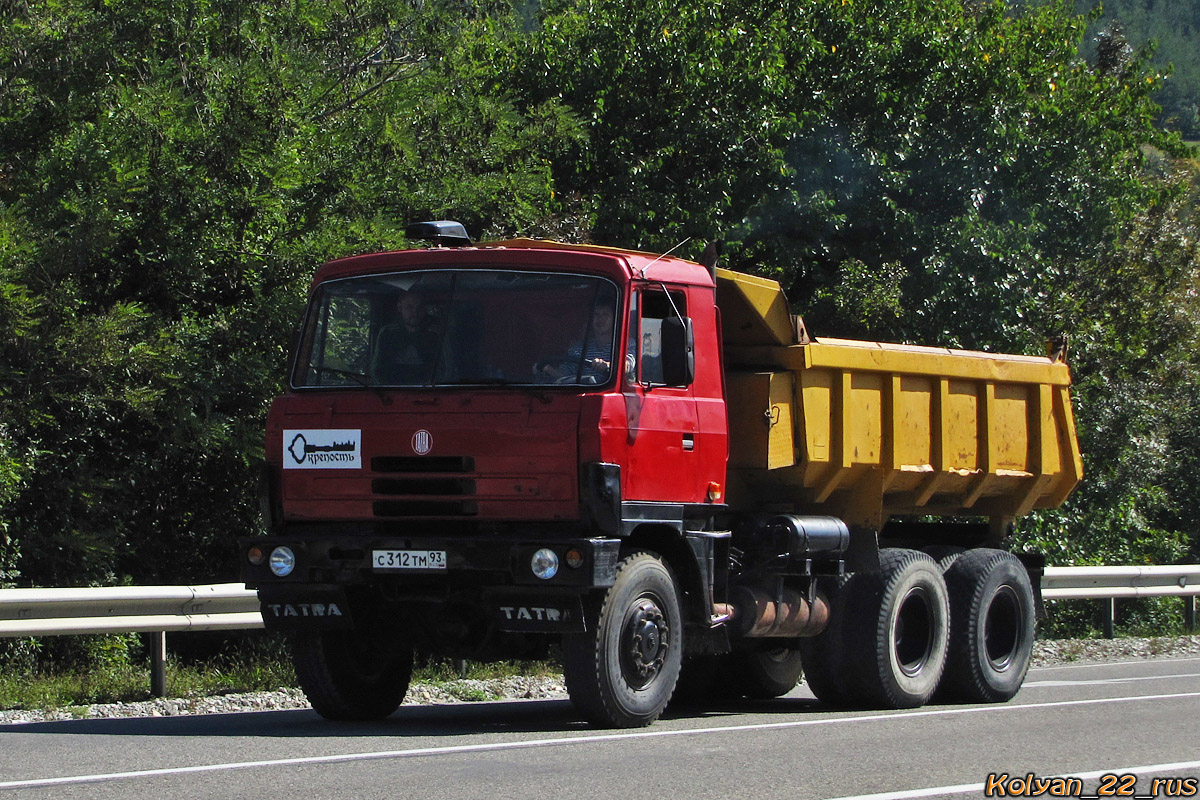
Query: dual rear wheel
column 901, row 635
column 991, row 627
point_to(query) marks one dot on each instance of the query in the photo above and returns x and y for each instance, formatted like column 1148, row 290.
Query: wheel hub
column 646, row 643
column 1001, row 629
column 913, row 633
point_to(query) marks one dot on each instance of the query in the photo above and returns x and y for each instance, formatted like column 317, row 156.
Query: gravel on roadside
column 1045, row 653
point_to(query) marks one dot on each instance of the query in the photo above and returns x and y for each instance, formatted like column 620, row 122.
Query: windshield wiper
column 357, row 377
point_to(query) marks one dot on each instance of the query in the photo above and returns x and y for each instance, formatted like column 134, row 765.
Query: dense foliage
column 1171, row 29
column 934, row 171
column 920, row 171
column 169, row 175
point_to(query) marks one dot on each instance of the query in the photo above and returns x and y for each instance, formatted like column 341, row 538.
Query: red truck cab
column 493, row 316
column 473, row 442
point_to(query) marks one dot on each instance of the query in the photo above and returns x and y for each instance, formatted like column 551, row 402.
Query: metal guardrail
column 231, row 606
column 1079, row 583
column 130, row 609
column 1111, row 583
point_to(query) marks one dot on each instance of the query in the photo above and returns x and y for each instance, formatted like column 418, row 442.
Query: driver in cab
column 588, row 361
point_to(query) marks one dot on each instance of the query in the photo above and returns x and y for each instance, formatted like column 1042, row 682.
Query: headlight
column 544, row 564
column 282, row 561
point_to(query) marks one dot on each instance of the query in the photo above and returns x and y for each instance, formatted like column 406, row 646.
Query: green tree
column 930, row 171
column 169, row 176
column 1170, row 28
column 934, row 171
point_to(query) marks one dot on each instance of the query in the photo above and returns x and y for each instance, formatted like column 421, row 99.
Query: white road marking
column 974, row 788
column 344, row 758
column 1098, row 681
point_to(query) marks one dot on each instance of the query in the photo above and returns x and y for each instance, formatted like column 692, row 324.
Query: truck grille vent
column 453, row 464
column 425, row 486
column 425, row 508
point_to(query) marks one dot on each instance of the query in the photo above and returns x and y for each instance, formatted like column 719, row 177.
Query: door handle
column 689, row 442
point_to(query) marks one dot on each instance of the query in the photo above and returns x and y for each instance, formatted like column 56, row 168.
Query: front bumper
column 342, row 560
column 488, row 582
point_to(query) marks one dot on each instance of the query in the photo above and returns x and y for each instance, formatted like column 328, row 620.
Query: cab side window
column 655, row 306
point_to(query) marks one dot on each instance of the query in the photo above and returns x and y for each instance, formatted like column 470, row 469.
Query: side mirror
column 678, row 352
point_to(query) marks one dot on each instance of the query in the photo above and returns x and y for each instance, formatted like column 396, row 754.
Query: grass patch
column 1073, row 651
column 109, row 671
column 445, row 670
column 131, row 683
column 470, row 694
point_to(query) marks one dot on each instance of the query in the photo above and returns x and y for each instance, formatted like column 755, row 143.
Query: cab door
column 662, row 420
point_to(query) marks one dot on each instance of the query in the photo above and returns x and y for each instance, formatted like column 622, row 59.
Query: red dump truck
column 486, row 450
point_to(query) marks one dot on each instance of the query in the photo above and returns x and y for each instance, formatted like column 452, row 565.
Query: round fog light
column 574, row 558
column 544, row 564
column 256, row 556
column 282, row 561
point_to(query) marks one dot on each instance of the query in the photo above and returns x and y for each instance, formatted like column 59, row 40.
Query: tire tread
column 967, row 679
column 584, row 657
column 324, row 671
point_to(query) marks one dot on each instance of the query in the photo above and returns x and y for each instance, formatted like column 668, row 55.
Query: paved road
column 1140, row 718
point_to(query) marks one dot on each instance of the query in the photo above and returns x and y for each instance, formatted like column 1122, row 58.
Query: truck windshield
column 443, row 328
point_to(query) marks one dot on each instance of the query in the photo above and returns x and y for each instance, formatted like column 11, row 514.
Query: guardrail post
column 158, row 664
column 1110, row 620
column 1189, row 613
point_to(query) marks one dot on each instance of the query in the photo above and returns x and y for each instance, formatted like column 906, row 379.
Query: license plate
column 408, row 559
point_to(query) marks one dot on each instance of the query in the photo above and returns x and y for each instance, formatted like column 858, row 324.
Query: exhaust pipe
column 755, row 613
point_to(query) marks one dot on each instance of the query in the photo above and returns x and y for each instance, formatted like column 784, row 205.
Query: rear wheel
column 352, row 675
column 766, row 672
column 991, row 627
column 898, row 632
column 622, row 670
column 825, row 656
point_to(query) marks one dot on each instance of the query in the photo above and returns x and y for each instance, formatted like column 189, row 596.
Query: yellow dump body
column 864, row 430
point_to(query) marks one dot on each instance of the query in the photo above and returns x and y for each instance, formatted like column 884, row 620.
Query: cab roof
column 617, row 263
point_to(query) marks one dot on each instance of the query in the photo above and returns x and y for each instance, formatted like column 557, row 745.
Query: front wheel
column 621, row 672
column 352, row 675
